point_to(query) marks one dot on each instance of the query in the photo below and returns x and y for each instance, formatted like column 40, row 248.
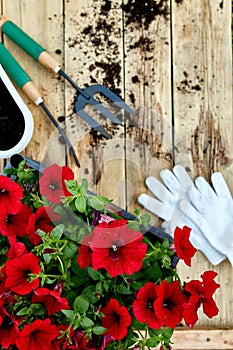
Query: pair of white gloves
column 206, row 209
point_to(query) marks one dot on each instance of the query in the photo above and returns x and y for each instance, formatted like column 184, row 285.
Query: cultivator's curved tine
column 97, row 88
column 94, row 124
column 82, row 101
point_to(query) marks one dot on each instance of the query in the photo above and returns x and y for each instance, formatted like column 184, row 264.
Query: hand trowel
column 16, row 122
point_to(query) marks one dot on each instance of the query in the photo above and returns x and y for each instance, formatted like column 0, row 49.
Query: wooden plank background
column 171, row 60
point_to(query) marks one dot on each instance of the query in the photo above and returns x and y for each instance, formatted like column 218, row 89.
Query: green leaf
column 23, row 311
column 90, row 293
column 137, row 211
column 70, row 250
column 146, row 218
column 96, row 203
column 166, row 244
column 123, row 290
column 152, row 342
column 95, row 275
column 72, row 186
column 80, row 203
column 50, row 280
column 134, row 225
column 26, row 174
column 69, row 313
column 47, row 258
column 43, row 235
column 98, row 330
column 57, row 232
column 87, row 322
column 84, row 187
column 76, row 324
column 81, row 304
column 168, row 332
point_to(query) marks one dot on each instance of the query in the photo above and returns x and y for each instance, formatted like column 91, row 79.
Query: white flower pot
column 26, row 135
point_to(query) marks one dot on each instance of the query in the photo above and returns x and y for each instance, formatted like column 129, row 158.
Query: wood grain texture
column 43, row 21
column 202, row 70
column 148, row 88
column 201, row 339
column 208, row 339
column 93, row 43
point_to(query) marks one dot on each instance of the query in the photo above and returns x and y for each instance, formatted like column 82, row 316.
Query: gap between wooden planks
column 202, row 339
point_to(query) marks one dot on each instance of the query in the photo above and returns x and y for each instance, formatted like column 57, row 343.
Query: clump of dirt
column 140, row 12
column 145, row 43
column 187, row 85
column 106, row 7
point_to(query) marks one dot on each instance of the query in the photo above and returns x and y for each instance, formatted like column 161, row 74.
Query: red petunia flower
column 18, row 271
column 51, row 300
column 84, row 252
column 16, row 249
column 11, row 194
column 15, row 225
column 42, row 220
column 117, row 248
column 37, row 336
column 143, row 306
column 52, row 182
column 169, row 304
column 200, row 293
column 116, row 319
column 9, row 331
column 184, row 248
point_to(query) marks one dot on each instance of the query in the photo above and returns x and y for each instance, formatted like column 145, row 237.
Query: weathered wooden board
column 202, row 102
column 43, row 21
column 208, row 339
column 94, row 46
column 148, row 88
column 173, row 65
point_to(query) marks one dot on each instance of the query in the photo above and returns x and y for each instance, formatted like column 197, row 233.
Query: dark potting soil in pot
column 12, row 124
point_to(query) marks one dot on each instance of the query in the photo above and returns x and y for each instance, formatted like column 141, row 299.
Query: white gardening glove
column 211, row 209
column 177, row 184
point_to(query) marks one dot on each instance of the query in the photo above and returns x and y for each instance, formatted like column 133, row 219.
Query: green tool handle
column 18, row 75
column 30, row 46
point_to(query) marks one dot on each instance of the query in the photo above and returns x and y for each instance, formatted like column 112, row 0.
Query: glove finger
column 192, row 214
column 220, row 186
column 199, row 220
column 176, row 220
column 202, row 244
column 156, row 207
column 171, row 182
column 204, row 187
column 198, row 201
column 159, row 190
column 182, row 176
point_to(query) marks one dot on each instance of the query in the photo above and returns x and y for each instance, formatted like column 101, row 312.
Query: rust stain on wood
column 208, row 147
